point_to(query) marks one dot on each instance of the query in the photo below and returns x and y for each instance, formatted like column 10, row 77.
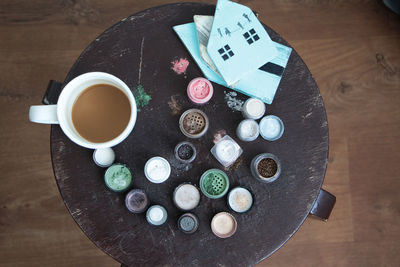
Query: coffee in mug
column 100, row 113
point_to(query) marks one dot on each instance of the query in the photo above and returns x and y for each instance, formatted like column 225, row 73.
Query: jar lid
column 118, row 177
column 188, row 223
column 223, row 224
column 104, row 157
column 200, row 90
column 214, row 183
column 193, row 123
column 186, row 196
column 157, row 170
column 240, row 199
column 136, row 201
column 156, row 215
column 271, row 128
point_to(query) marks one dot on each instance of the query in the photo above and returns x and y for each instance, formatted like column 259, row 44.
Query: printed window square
column 225, row 52
column 251, row 36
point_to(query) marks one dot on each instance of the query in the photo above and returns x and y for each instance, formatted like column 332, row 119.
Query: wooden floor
column 351, row 47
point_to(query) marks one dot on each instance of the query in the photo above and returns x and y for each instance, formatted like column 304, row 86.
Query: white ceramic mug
column 61, row 113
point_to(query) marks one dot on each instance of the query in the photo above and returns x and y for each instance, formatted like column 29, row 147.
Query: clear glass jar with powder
column 186, row 196
column 223, row 225
column 188, row 223
column 253, row 108
column 104, row 157
column 271, row 128
column 156, row 215
column 247, row 130
column 157, row 170
column 226, row 151
column 240, row 199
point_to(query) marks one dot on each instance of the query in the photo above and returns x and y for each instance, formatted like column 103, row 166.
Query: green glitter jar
column 118, row 177
column 214, row 183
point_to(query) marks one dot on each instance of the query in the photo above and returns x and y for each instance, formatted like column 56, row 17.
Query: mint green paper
column 238, row 43
column 258, row 83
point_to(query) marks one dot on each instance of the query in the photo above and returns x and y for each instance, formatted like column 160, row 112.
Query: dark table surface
column 139, row 50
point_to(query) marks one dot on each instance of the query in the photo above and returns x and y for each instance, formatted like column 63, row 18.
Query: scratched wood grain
column 352, row 50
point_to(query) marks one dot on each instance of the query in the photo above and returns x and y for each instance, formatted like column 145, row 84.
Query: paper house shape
column 238, row 43
column 261, row 83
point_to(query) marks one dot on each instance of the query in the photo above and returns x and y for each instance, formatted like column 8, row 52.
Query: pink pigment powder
column 180, row 66
column 200, row 90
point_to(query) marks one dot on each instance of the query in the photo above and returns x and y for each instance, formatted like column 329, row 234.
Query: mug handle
column 43, row 114
column 47, row 113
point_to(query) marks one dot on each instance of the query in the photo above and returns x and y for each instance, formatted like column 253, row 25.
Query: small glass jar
column 223, row 225
column 188, row 223
column 240, row 199
column 136, row 201
column 200, row 90
column 193, row 123
column 186, row 196
column 253, row 108
column 266, row 167
column 185, row 152
column 157, row 170
column 214, row 183
column 104, row 157
column 118, row 177
column 247, row 130
column 156, row 215
column 271, row 128
column 226, row 151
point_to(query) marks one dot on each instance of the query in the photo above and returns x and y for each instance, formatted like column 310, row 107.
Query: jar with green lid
column 118, row 177
column 214, row 183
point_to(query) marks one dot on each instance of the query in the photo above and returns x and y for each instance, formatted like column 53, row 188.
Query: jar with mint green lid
column 214, row 183
column 118, row 177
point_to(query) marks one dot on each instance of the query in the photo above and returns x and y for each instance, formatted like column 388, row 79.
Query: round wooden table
column 139, row 50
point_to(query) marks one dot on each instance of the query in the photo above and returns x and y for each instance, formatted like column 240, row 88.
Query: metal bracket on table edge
column 53, row 91
column 323, row 206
